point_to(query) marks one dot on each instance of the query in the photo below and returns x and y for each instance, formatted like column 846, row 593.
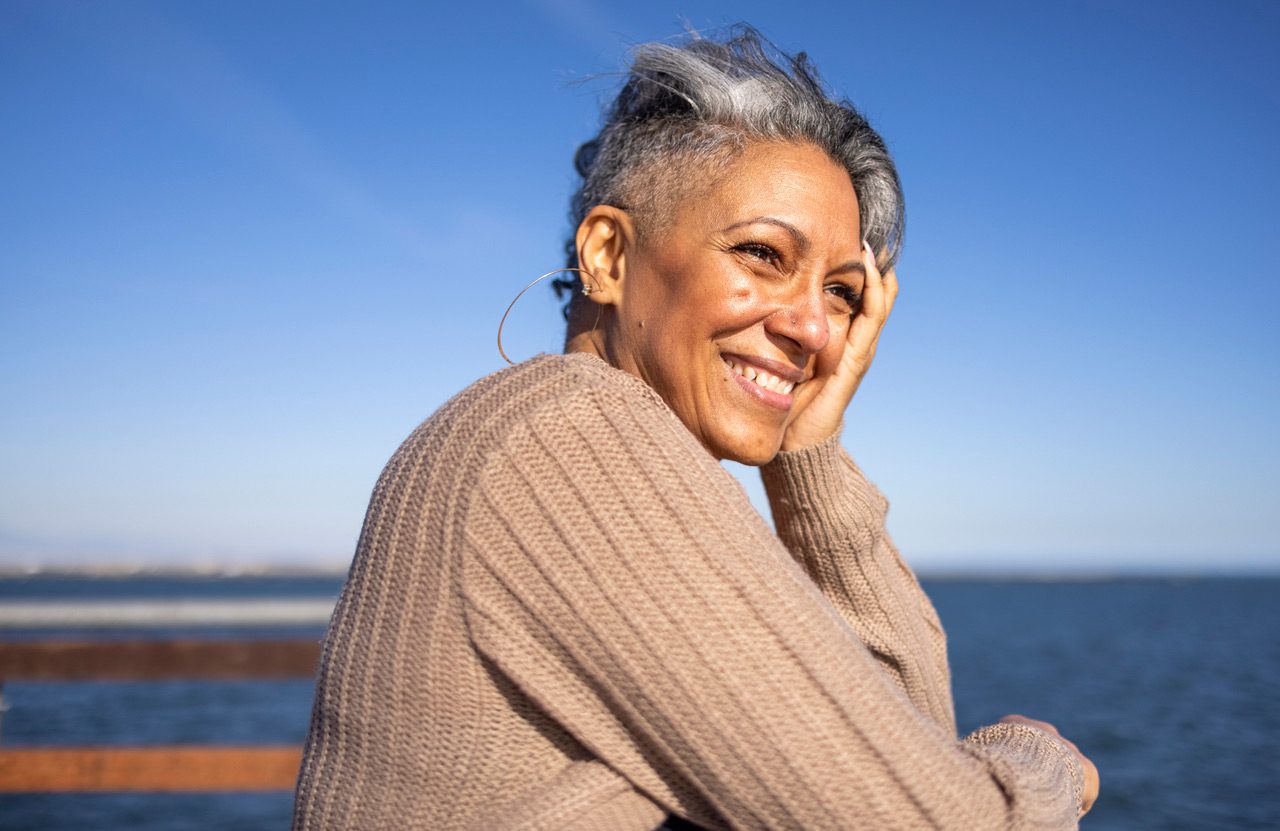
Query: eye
column 844, row 298
column 759, row 251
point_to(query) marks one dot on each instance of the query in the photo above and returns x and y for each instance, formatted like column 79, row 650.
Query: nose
column 802, row 319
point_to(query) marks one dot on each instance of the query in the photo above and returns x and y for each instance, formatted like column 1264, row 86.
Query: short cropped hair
column 691, row 108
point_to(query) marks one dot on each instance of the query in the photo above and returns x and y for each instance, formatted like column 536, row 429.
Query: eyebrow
column 798, row 237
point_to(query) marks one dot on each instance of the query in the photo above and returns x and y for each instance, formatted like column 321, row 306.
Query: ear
column 604, row 239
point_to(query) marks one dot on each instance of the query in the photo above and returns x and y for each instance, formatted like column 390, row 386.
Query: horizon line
column 336, row 570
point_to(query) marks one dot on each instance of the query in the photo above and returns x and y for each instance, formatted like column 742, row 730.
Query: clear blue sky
column 247, row 247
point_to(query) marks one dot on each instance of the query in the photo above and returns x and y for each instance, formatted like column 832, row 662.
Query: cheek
column 716, row 310
column 829, row 358
column 716, row 291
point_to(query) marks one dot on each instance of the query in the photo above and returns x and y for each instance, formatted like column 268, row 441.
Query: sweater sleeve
column 617, row 575
column 832, row 520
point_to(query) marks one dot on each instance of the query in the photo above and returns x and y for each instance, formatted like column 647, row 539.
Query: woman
column 564, row 613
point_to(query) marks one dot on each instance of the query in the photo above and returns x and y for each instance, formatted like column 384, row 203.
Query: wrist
column 794, row 440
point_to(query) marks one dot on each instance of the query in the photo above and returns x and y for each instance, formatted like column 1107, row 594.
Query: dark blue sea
column 1172, row 686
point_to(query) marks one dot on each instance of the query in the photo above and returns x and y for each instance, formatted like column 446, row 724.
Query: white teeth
column 762, row 379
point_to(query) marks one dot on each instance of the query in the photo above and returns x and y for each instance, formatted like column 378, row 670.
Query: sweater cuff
column 819, row 490
column 1026, row 741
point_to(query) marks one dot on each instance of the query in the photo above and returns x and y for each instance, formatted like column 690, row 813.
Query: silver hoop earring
column 586, row 290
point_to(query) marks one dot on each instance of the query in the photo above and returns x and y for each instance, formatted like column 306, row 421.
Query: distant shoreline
column 977, row 573
column 124, row 570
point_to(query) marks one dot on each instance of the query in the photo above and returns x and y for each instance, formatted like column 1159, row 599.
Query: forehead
column 796, row 183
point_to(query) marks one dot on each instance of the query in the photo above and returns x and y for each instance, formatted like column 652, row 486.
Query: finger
column 864, row 328
column 873, row 292
column 1093, row 788
column 890, row 291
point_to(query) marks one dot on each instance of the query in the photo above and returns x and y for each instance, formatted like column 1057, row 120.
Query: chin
column 753, row 450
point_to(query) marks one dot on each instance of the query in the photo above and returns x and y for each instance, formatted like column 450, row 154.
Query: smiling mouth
column 761, row 378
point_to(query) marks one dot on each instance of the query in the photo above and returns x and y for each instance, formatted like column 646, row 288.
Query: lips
column 761, row 377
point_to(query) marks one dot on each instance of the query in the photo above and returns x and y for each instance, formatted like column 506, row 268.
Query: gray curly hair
column 694, row 107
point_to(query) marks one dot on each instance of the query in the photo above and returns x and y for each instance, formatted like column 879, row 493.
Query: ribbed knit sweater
column 563, row 613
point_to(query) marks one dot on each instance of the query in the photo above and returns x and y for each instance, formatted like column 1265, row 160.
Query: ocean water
column 1170, row 685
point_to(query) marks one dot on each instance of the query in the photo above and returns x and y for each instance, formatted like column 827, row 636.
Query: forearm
column 832, row 520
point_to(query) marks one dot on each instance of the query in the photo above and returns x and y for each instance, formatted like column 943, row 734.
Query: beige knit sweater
column 565, row 614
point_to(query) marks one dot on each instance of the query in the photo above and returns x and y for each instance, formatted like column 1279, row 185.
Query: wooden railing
column 155, row 769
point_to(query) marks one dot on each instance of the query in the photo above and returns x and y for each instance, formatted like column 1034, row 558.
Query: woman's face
column 739, row 312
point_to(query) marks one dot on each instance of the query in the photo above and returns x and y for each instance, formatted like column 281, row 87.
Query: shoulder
column 576, row 387
column 605, row 442
column 569, row 442
column 547, row 396
column 563, row 403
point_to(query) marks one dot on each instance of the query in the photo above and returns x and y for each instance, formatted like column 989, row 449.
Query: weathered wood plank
column 148, row 769
column 197, row 660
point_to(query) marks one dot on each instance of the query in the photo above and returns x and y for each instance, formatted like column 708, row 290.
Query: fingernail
column 866, row 246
